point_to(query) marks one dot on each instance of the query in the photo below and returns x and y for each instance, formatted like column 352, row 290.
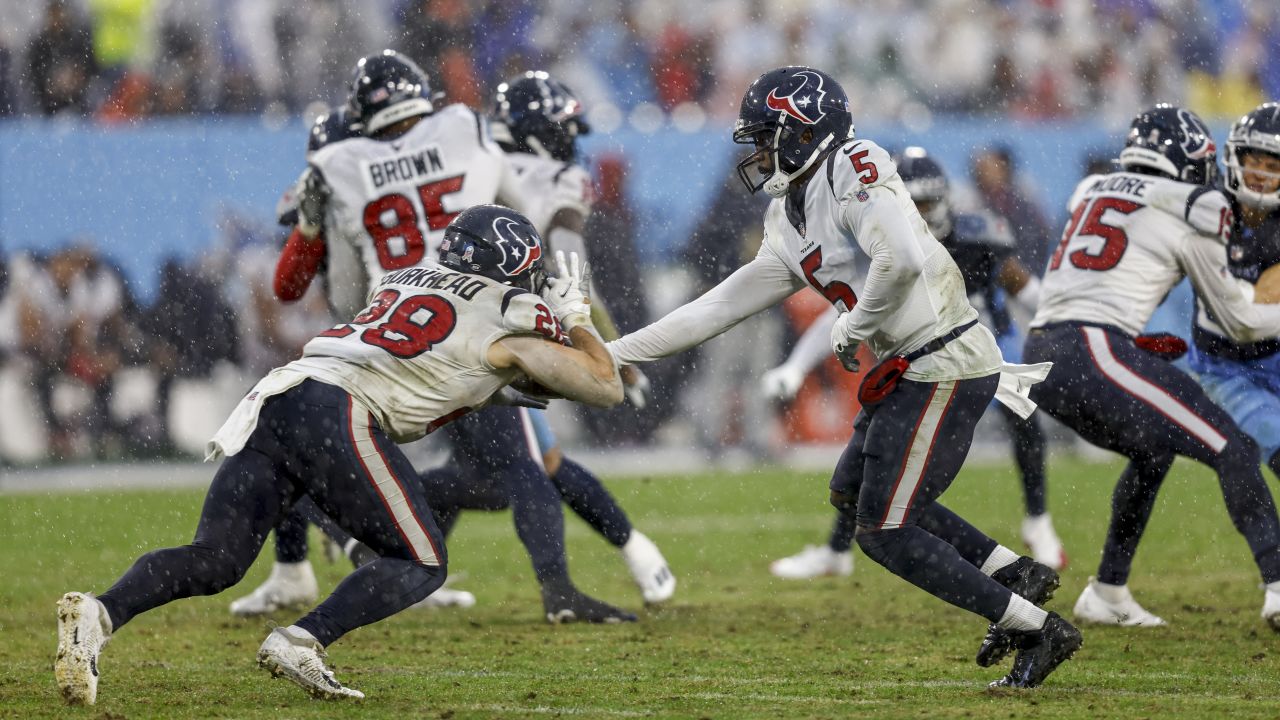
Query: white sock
column 1001, row 557
column 292, row 572
column 351, row 545
column 302, row 634
column 103, row 618
column 1274, row 587
column 1111, row 593
column 1022, row 615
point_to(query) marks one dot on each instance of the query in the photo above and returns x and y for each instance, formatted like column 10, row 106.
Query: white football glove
column 845, row 347
column 566, row 293
column 782, row 383
column 636, row 386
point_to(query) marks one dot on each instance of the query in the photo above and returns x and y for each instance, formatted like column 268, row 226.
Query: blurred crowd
column 95, row 368
column 1042, row 59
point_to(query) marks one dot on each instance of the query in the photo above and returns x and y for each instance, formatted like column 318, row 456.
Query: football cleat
column 1043, row 541
column 83, row 630
column 290, row 585
column 1121, row 610
column 1040, row 652
column 566, row 604
column 1031, row 580
column 813, row 561
column 298, row 657
column 1271, row 609
column 649, row 568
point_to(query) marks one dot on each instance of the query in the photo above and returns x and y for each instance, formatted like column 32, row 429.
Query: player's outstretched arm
column 1232, row 301
column 1267, row 290
column 585, row 372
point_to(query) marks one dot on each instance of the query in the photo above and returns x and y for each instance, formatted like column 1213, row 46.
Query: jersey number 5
column 1116, row 241
column 835, row 292
column 394, row 216
column 415, row 325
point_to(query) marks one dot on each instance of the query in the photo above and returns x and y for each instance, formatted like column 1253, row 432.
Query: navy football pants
column 903, row 455
column 313, row 439
column 1122, row 398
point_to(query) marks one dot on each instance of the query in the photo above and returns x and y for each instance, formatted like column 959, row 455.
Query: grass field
column 735, row 643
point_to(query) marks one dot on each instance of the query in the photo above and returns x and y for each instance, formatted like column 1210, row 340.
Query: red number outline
column 864, row 167
column 431, row 197
column 835, row 292
column 1085, row 223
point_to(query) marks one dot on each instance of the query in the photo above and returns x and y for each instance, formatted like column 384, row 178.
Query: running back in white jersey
column 1123, row 250
column 392, row 199
column 416, row 357
column 549, row 186
column 825, row 251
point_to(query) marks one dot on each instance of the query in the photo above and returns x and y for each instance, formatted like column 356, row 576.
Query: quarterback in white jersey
column 432, row 344
column 1132, row 236
column 843, row 223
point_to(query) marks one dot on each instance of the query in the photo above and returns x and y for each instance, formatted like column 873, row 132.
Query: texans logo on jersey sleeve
column 519, row 251
column 802, row 99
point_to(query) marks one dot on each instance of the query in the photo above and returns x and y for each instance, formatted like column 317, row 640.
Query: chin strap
column 779, row 182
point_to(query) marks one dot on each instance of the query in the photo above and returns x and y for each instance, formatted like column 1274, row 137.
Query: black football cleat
column 1024, row 577
column 1040, row 652
column 566, row 604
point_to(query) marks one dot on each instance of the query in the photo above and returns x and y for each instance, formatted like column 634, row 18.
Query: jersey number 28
column 414, row 326
column 1116, row 241
column 394, row 216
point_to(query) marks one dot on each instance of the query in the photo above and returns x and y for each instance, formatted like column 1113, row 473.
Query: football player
column 1244, row 377
column 982, row 246
column 1132, row 236
column 843, row 223
column 433, row 344
column 377, row 201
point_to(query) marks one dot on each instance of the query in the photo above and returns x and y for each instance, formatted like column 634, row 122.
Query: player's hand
column 566, row 293
column 845, row 347
column 635, row 385
column 782, row 383
column 514, row 398
column 313, row 200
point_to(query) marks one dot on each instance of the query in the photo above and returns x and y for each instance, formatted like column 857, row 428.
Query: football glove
column 313, row 200
column 566, row 293
column 782, row 383
column 636, row 386
column 845, row 347
column 514, row 398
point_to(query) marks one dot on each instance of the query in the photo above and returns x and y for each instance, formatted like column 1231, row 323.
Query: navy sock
column 1131, row 504
column 842, row 533
column 291, row 538
column 588, row 498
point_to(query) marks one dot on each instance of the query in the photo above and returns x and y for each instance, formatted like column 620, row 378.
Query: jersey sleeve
column 1205, row 209
column 859, row 165
column 526, row 313
column 1229, row 299
column 571, row 189
column 885, row 233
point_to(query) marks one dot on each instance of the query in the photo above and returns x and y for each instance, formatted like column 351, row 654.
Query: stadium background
column 156, row 135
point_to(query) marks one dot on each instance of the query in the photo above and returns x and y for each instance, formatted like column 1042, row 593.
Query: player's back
column 548, row 186
column 1119, row 255
column 392, row 199
column 417, row 355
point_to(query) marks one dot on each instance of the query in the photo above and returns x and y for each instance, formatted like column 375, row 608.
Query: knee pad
column 1240, row 455
column 881, row 545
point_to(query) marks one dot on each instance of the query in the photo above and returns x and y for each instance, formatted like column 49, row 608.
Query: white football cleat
column 648, row 568
column 1271, row 609
column 1118, row 609
column 445, row 596
column 294, row 654
column 290, row 585
column 83, row 630
column 1043, row 541
column 813, row 561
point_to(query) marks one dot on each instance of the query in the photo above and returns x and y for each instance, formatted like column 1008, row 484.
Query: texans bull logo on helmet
column 519, row 251
column 802, row 101
column 1198, row 141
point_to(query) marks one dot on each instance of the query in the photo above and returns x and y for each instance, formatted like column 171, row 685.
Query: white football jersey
column 857, row 223
column 550, row 186
column 417, row 356
column 1131, row 238
column 392, row 199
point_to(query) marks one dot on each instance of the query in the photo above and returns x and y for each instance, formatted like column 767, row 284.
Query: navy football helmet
column 387, row 88
column 929, row 188
column 1171, row 141
column 330, row 127
column 496, row 242
column 537, row 114
column 794, row 114
column 1257, row 132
